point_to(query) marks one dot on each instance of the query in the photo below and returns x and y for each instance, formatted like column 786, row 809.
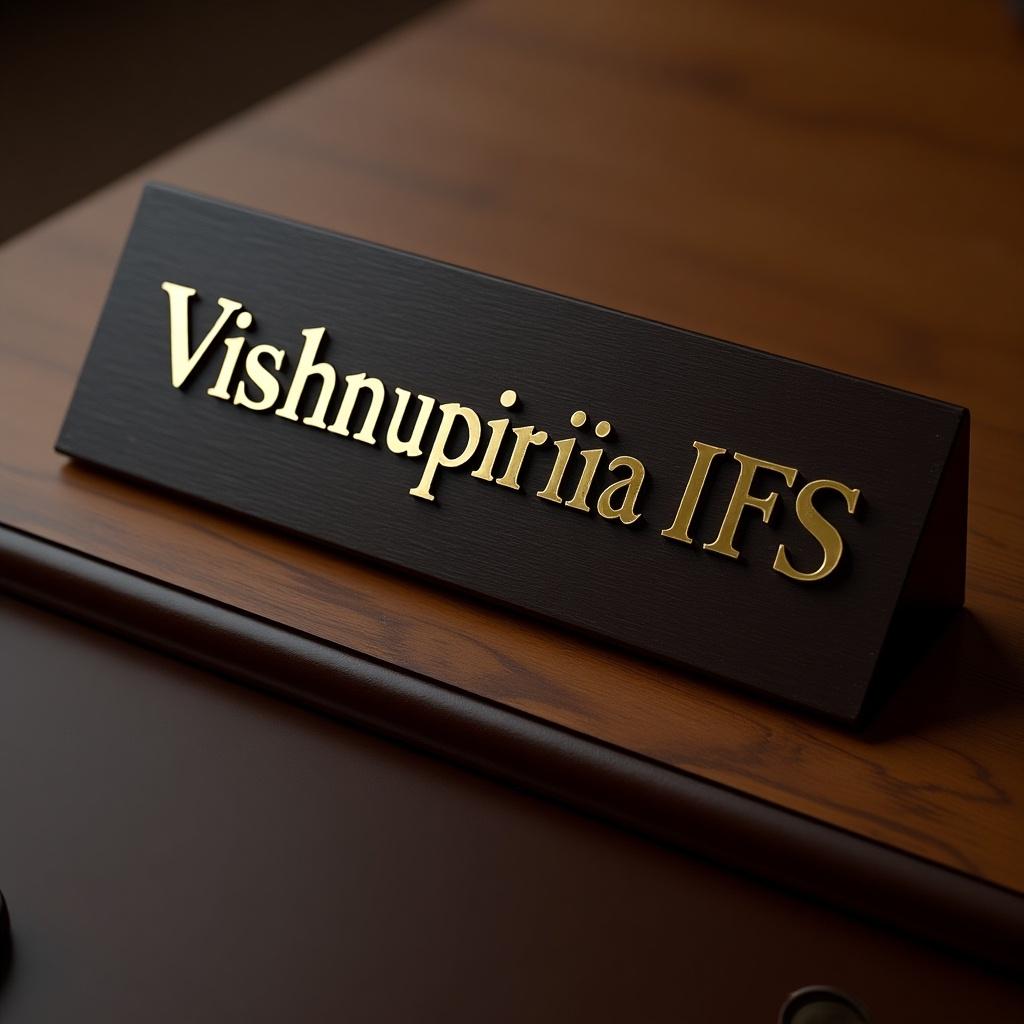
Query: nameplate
column 756, row 519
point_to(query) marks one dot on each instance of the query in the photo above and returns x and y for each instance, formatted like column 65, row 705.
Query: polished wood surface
column 836, row 185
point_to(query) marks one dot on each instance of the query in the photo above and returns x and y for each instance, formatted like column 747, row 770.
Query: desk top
column 836, row 185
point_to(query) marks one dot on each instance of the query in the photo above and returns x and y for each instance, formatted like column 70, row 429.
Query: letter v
column 183, row 360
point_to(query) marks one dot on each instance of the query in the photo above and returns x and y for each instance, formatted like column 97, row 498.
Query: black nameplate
column 754, row 518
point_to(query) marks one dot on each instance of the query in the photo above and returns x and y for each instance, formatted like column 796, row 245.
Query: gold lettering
column 459, row 434
column 268, row 384
column 819, row 528
column 439, row 457
column 591, row 460
column 354, row 383
column 306, row 368
column 742, row 498
column 227, row 368
column 550, row 492
column 485, row 471
column 680, row 528
column 525, row 436
column 183, row 359
column 626, row 512
column 411, row 446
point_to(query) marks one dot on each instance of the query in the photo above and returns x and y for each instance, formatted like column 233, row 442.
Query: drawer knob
column 820, row 1004
column 5, row 937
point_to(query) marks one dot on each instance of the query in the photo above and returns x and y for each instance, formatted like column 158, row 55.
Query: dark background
column 90, row 90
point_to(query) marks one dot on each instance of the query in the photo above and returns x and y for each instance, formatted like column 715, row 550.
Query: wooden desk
column 840, row 186
column 177, row 847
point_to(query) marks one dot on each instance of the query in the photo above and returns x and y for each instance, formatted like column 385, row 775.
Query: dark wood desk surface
column 836, row 184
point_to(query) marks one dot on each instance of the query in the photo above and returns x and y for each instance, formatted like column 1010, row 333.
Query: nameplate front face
column 750, row 517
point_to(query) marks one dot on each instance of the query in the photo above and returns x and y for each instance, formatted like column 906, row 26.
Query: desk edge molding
column 950, row 909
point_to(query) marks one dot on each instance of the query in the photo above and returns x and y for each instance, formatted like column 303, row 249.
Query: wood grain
column 836, row 185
